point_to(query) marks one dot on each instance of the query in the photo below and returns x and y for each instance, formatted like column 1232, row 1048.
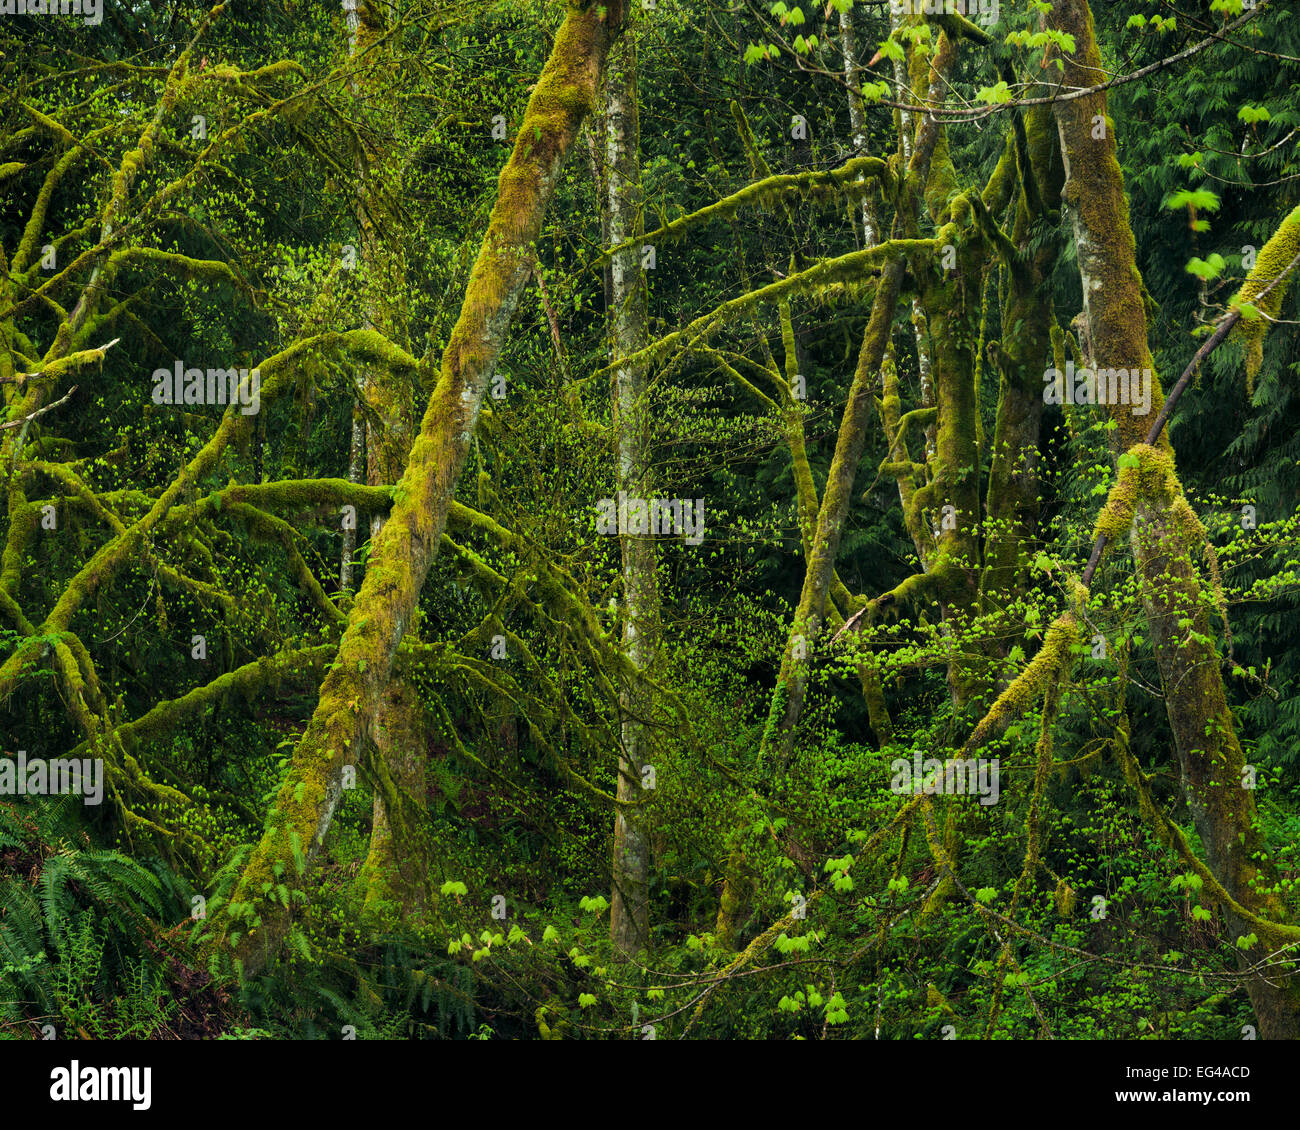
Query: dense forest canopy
column 649, row 520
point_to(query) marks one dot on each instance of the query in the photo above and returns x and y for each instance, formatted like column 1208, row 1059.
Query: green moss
column 1145, row 473
column 1274, row 268
column 1050, row 663
column 1113, row 293
column 24, row 518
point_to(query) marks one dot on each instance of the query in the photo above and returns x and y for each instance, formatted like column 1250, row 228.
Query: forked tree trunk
column 1165, row 537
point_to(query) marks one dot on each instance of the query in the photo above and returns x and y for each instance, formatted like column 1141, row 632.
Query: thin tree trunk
column 857, row 117
column 629, row 918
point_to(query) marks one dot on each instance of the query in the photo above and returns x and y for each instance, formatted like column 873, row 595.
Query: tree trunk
column 1165, row 534
column 857, row 117
column 253, row 924
column 792, row 682
column 1011, row 507
column 394, row 876
column 629, row 916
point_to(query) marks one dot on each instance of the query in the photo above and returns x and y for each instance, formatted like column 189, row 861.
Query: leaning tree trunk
column 254, row 924
column 1165, row 535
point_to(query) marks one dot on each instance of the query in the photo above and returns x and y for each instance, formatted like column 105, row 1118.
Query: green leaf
column 1200, row 199
column 1207, row 268
column 892, row 50
column 994, row 95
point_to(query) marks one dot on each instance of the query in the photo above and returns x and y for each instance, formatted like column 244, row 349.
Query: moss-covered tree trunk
column 395, row 875
column 629, row 916
column 792, row 682
column 1011, row 507
column 788, row 697
column 253, row 925
column 1165, row 536
column 952, row 498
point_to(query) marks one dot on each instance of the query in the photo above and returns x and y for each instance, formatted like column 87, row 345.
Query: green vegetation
column 947, row 708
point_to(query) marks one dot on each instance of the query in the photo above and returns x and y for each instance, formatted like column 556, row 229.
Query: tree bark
column 629, row 916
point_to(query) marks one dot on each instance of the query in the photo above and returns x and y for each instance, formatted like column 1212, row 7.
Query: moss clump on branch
column 1265, row 288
